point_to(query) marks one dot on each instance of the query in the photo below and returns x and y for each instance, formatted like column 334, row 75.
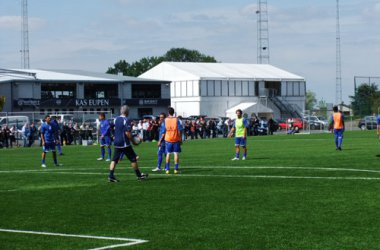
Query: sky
column 95, row 34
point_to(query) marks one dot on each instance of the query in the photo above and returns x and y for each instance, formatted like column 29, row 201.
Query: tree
column 185, row 55
column 365, row 99
column 310, row 100
column 146, row 63
column 322, row 106
column 2, row 102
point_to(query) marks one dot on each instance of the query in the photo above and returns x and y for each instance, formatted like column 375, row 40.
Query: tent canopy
column 248, row 108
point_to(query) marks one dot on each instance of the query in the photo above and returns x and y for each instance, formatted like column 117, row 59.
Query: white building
column 214, row 89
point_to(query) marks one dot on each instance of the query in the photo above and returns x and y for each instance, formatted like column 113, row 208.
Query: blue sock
column 109, row 153
column 167, row 166
column 59, row 148
column 159, row 160
column 103, row 152
column 336, row 142
column 245, row 155
column 176, row 166
column 340, row 140
column 43, row 161
column 237, row 155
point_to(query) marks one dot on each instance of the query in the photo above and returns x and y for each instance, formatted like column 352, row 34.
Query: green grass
column 289, row 194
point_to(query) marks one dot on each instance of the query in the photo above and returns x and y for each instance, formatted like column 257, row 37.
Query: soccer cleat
column 61, row 154
column 156, row 170
column 142, row 177
column 177, row 171
column 43, row 165
column 100, row 159
column 58, row 165
column 108, row 160
column 112, row 179
column 167, row 171
column 235, row 159
column 244, row 158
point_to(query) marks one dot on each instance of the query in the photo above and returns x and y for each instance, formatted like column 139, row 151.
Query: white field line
column 129, row 243
column 62, row 169
column 227, row 176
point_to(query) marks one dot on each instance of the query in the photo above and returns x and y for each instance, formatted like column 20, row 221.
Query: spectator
column 25, row 132
column 32, row 135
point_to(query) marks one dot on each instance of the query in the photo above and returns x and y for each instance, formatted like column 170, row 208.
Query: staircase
column 286, row 109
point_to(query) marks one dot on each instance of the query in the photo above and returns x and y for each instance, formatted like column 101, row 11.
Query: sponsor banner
column 147, row 102
column 27, row 102
column 80, row 102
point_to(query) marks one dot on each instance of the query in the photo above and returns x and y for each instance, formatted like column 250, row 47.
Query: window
column 183, row 89
column 58, row 90
column 251, row 88
column 218, row 88
column 224, row 88
column 296, row 88
column 100, row 91
column 189, row 88
column 146, row 90
column 203, row 88
column 210, row 88
column 238, row 88
column 231, row 88
column 245, row 88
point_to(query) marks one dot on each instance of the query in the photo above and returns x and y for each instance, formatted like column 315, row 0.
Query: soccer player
column 171, row 133
column 57, row 131
column 48, row 141
column 240, row 126
column 378, row 129
column 337, row 120
column 122, row 144
column 105, row 137
column 160, row 144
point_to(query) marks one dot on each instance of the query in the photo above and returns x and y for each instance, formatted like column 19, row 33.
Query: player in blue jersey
column 160, row 144
column 122, row 144
column 57, row 132
column 105, row 136
column 378, row 129
column 48, row 140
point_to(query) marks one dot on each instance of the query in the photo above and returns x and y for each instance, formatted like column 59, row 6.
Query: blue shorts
column 173, row 147
column 338, row 132
column 162, row 149
column 49, row 146
column 105, row 141
column 240, row 141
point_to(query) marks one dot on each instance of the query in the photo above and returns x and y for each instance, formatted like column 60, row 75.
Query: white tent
column 249, row 108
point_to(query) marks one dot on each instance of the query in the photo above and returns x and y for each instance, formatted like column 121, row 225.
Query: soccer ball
column 136, row 140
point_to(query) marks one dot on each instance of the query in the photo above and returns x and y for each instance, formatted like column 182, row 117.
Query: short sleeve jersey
column 122, row 125
column 378, row 120
column 48, row 131
column 104, row 128
column 240, row 125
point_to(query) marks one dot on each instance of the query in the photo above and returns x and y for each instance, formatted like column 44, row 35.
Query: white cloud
column 14, row 22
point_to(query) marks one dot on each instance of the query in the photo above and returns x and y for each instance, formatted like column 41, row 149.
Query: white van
column 18, row 121
column 63, row 117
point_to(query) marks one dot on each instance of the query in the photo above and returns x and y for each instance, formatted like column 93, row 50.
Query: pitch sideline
column 130, row 242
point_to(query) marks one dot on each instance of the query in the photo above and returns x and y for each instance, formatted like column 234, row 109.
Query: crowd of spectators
column 73, row 133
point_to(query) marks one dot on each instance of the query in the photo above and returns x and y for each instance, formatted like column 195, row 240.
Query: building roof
column 64, row 75
column 196, row 71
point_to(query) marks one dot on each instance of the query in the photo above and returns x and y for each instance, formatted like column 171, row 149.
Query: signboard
column 147, row 102
column 80, row 102
column 27, row 102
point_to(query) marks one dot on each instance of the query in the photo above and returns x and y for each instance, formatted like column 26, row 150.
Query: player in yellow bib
column 240, row 127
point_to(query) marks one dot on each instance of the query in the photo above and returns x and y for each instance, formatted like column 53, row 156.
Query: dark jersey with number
column 122, row 125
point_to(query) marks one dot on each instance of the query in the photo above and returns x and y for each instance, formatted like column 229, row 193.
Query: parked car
column 368, row 122
column 314, row 122
column 11, row 121
column 291, row 122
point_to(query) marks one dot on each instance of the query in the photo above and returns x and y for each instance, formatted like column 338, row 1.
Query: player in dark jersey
column 48, row 140
column 122, row 145
column 160, row 144
column 105, row 136
column 57, row 134
column 378, row 129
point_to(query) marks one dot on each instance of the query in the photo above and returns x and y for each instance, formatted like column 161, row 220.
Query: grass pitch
column 293, row 192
